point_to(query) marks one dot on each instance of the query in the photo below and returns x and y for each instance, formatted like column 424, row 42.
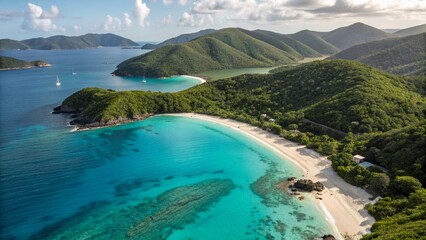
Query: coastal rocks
column 64, row 109
column 82, row 122
column 328, row 237
column 308, row 185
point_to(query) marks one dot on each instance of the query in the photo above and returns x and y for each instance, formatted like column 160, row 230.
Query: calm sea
column 165, row 177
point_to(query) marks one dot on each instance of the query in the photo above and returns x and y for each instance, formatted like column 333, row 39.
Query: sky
column 157, row 20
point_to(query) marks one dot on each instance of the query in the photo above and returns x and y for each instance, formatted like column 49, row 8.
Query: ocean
column 162, row 178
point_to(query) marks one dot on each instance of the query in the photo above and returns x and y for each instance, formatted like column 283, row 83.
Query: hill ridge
column 89, row 40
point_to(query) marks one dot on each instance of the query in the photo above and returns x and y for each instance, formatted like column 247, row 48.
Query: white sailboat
column 73, row 72
column 143, row 80
column 58, row 83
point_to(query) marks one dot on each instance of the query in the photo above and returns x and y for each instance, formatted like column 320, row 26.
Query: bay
column 56, row 183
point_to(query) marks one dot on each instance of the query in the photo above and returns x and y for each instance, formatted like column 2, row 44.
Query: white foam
column 330, row 218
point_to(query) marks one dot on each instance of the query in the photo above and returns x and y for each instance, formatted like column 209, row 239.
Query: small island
column 9, row 63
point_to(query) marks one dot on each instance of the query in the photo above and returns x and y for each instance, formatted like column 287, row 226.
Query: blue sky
column 157, row 20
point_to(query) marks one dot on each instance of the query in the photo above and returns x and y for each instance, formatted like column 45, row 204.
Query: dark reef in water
column 150, row 219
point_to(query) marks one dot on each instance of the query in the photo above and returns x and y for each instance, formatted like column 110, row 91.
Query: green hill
column 397, row 55
column 411, row 31
column 314, row 40
column 285, row 43
column 9, row 44
column 344, row 95
column 354, row 34
column 179, row 39
column 65, row 42
column 7, row 63
column 223, row 49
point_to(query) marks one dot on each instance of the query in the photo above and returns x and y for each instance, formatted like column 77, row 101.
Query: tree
column 405, row 185
column 379, row 183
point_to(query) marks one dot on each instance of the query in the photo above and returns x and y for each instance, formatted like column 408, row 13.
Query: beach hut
column 358, row 159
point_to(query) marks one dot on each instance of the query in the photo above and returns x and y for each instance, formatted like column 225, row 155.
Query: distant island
column 65, row 42
column 9, row 63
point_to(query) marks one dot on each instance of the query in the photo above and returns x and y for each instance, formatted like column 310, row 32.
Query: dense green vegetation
column 314, row 40
column 399, row 217
column 401, row 150
column 343, row 95
column 340, row 95
column 397, row 55
column 10, row 44
column 65, row 42
column 411, row 31
column 13, row 63
column 223, row 49
column 179, row 39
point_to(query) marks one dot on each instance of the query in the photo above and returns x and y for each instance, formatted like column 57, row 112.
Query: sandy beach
column 193, row 77
column 342, row 203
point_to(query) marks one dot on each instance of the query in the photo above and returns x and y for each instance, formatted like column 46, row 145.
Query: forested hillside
column 65, row 42
column 223, row 49
column 7, row 63
column 397, row 55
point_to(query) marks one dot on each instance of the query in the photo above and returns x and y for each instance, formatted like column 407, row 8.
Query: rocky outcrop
column 86, row 123
column 64, row 109
column 328, row 237
column 308, row 185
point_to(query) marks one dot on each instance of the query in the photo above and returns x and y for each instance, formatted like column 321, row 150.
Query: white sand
column 342, row 203
column 197, row 78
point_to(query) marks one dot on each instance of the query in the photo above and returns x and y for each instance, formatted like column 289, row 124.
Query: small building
column 271, row 120
column 358, row 159
column 366, row 164
column 263, row 115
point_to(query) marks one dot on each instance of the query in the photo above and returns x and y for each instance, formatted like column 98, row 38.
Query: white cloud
column 267, row 10
column 284, row 10
column 180, row 2
column 76, row 28
column 167, row 20
column 373, row 6
column 127, row 20
column 54, row 12
column 112, row 23
column 141, row 12
column 35, row 19
column 195, row 20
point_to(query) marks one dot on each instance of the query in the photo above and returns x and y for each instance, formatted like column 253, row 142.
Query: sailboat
column 73, row 72
column 143, row 80
column 58, row 83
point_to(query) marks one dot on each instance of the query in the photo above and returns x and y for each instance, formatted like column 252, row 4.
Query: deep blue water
column 82, row 180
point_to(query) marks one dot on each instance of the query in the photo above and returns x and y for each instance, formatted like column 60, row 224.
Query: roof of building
column 359, row 157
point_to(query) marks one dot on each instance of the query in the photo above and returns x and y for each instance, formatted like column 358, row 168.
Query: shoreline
column 27, row 67
column 342, row 204
column 202, row 80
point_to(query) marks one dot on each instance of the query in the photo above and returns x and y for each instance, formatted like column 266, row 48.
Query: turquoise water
column 165, row 177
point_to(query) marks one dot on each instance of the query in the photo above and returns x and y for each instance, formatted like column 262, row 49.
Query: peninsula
column 9, row 63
